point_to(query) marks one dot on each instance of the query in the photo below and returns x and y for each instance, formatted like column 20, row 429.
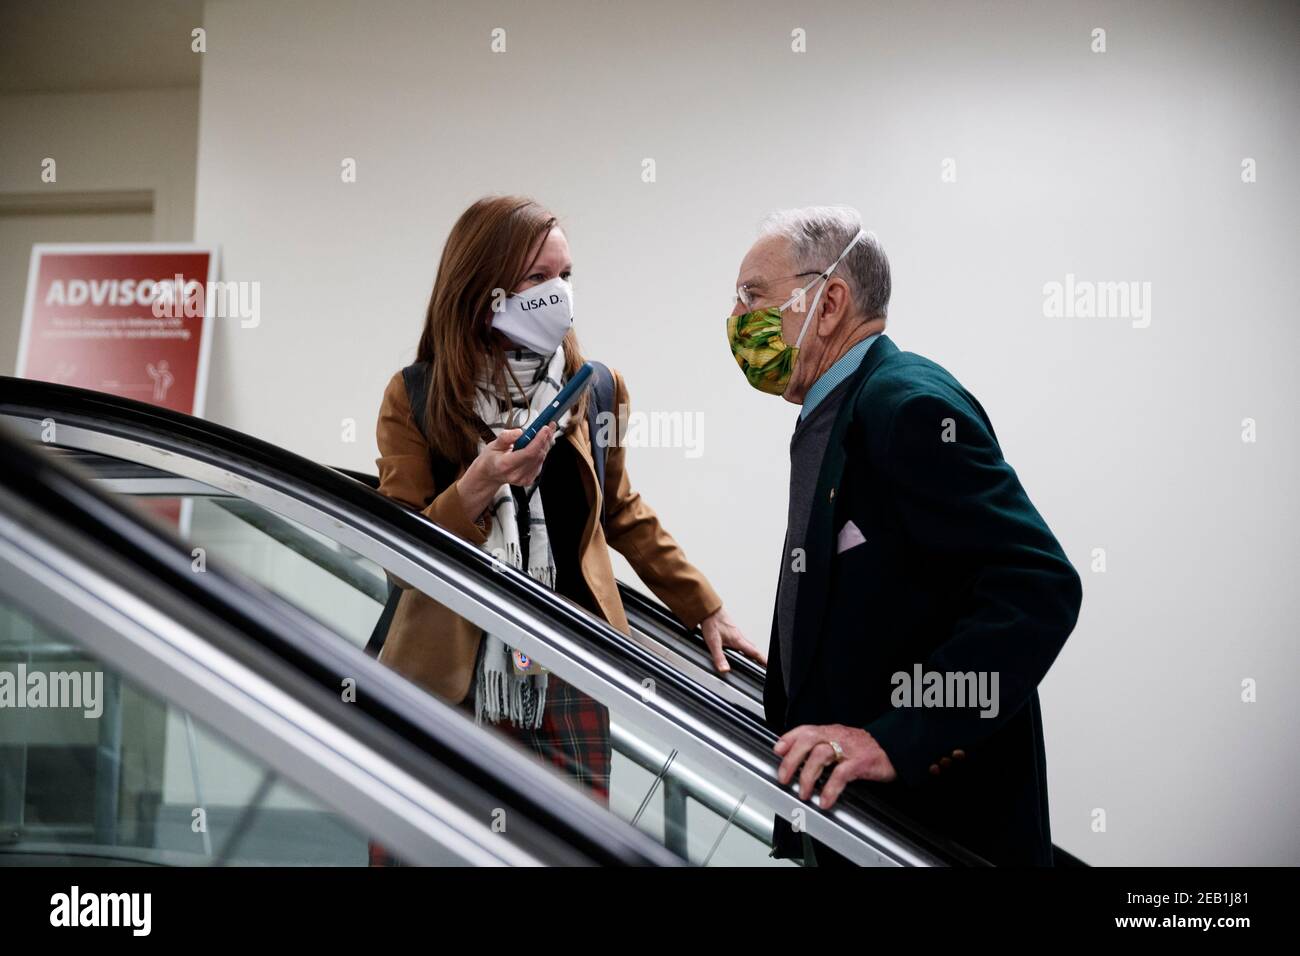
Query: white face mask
column 537, row 318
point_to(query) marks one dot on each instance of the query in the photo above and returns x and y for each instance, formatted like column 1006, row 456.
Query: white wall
column 1116, row 166
column 123, row 141
column 113, row 141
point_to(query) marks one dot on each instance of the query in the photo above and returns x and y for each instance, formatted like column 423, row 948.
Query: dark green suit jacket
column 958, row 573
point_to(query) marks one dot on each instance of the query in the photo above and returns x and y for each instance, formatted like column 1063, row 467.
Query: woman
column 497, row 346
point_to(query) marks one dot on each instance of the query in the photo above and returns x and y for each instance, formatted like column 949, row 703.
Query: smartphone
column 562, row 402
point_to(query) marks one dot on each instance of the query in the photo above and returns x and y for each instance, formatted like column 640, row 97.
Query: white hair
column 818, row 234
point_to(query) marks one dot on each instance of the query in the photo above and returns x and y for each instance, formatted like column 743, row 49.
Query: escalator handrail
column 670, row 626
column 418, row 540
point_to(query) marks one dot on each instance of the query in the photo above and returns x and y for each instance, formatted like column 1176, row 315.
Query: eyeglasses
column 747, row 296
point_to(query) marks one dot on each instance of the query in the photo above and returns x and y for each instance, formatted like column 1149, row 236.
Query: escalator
column 169, row 714
column 693, row 766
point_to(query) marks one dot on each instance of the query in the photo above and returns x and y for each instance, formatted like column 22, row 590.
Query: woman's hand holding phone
column 499, row 464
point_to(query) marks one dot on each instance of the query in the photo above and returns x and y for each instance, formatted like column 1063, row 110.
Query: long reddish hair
column 491, row 247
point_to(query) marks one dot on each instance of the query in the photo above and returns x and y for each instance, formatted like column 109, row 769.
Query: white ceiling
column 82, row 45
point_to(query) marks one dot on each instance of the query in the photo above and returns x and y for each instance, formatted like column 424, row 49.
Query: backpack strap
column 417, row 379
column 379, row 633
column 602, row 394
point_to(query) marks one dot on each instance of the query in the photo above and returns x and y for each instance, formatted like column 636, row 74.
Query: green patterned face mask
column 760, row 351
column 756, row 342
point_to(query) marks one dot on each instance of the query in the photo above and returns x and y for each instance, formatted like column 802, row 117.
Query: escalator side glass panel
column 96, row 771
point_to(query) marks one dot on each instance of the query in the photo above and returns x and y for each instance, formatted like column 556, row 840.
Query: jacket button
column 934, row 769
column 944, row 763
column 959, row 755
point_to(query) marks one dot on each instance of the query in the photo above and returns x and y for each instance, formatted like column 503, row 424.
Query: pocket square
column 849, row 537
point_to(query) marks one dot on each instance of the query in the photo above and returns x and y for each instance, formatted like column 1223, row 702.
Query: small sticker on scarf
column 525, row 664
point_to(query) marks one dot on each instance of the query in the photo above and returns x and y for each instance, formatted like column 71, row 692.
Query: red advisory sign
column 130, row 319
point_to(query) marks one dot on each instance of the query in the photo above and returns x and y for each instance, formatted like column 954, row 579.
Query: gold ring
column 839, row 751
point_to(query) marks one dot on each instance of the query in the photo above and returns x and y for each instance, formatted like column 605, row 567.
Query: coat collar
column 819, row 541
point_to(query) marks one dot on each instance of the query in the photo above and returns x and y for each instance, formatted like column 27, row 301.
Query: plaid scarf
column 503, row 689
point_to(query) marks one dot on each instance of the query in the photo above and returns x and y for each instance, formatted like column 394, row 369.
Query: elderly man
column 922, row 597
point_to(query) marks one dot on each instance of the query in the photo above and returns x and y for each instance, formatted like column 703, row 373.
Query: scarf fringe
column 500, row 692
column 498, row 697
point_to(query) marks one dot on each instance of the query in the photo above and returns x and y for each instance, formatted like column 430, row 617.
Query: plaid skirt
column 574, row 736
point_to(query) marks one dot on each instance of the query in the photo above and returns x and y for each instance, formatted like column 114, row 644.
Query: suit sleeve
column 633, row 529
column 405, row 471
column 961, row 503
